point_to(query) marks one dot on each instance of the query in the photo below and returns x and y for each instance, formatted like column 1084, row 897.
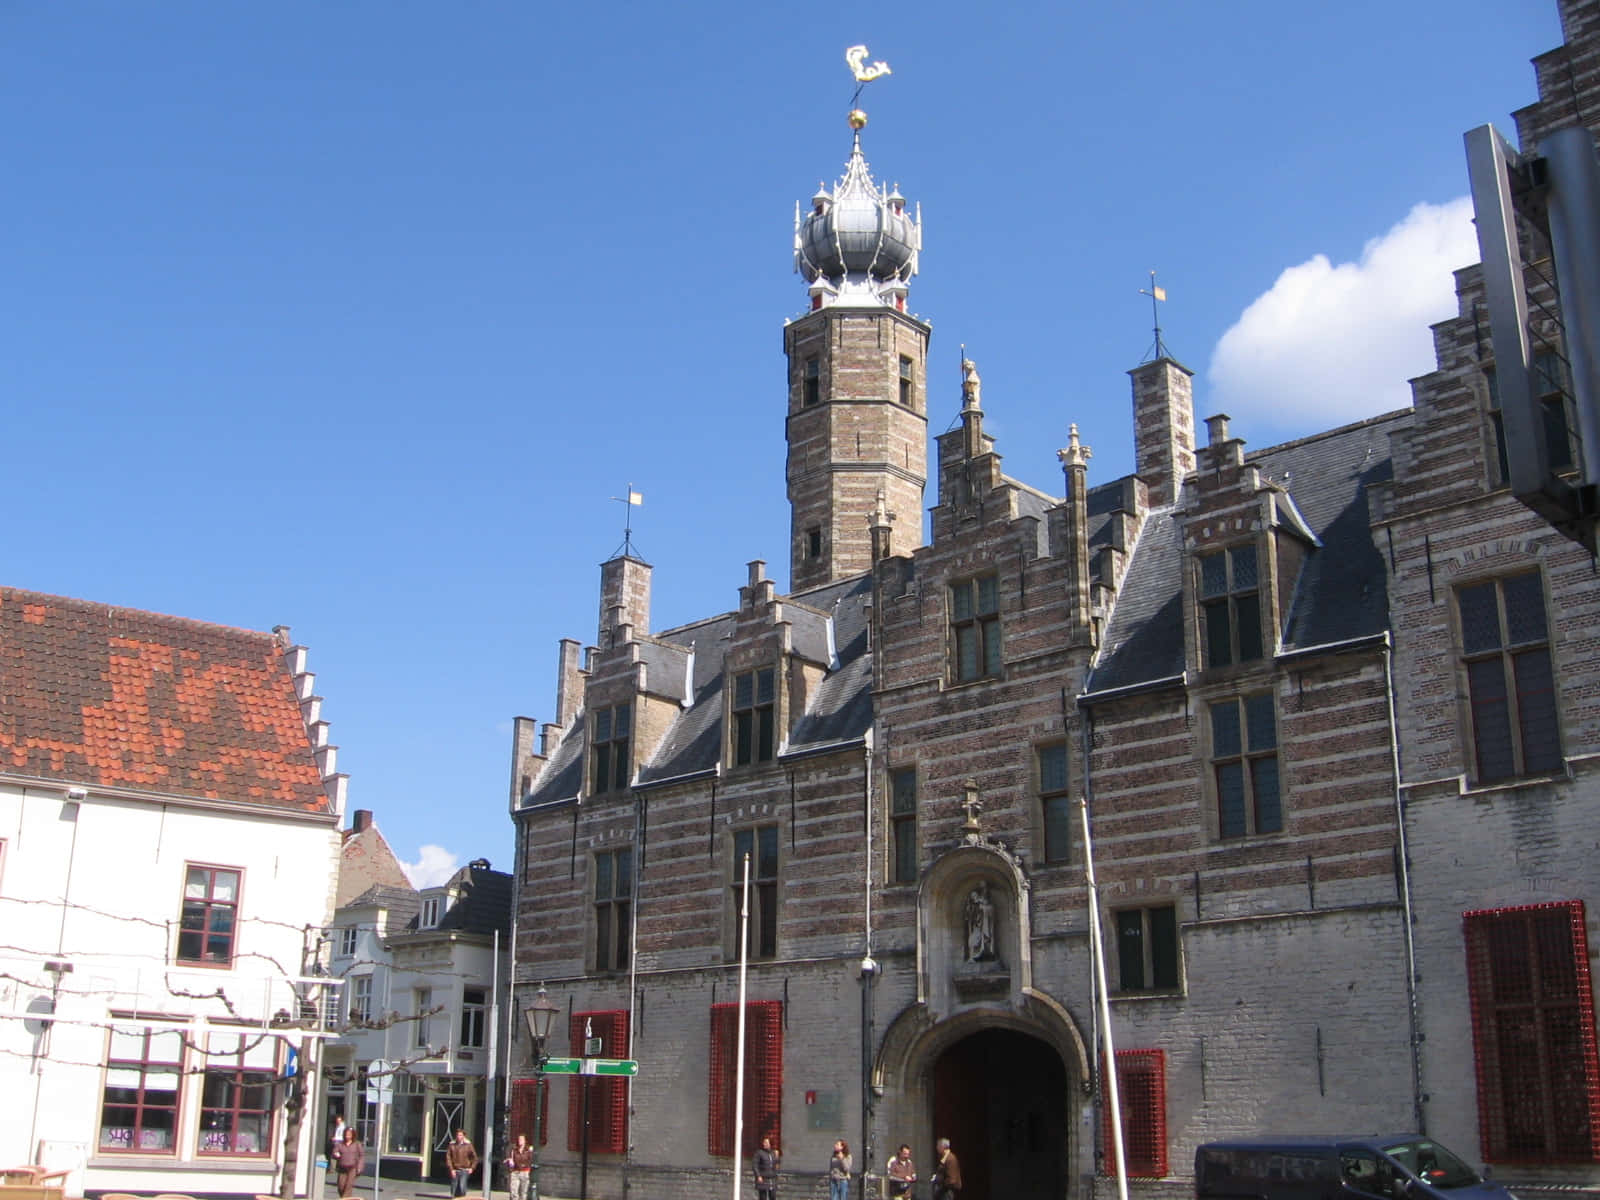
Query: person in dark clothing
column 766, row 1170
column 348, row 1159
column 946, row 1172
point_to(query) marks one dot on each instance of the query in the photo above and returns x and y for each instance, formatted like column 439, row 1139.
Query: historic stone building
column 1331, row 705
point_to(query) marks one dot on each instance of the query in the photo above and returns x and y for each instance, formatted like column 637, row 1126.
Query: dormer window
column 609, row 766
column 754, row 716
column 1230, row 606
column 432, row 910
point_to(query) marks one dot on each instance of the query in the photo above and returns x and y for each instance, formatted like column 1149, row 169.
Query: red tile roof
column 113, row 697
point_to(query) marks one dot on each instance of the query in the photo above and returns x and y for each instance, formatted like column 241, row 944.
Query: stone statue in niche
column 979, row 914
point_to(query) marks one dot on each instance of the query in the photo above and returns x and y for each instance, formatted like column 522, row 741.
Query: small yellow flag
column 1160, row 293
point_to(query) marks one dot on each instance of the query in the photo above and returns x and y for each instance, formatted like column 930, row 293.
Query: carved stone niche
column 973, row 938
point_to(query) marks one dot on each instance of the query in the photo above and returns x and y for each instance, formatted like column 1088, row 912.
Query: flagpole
column 1102, row 995
column 738, row 1072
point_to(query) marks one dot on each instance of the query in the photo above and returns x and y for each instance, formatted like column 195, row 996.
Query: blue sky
column 354, row 317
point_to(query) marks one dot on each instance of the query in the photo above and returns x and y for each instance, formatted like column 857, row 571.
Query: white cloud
column 434, row 865
column 1329, row 344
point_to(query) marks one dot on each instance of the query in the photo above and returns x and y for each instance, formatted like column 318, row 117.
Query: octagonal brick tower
column 857, row 418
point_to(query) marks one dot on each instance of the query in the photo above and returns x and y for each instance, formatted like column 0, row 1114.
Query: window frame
column 238, row 1076
column 1233, row 599
column 207, row 908
column 147, row 1068
column 349, row 941
column 764, row 888
column 811, row 382
column 1498, row 460
column 1154, row 961
column 753, row 718
column 1524, row 717
column 907, row 379
column 422, row 998
column 612, row 943
column 474, row 1022
column 1529, row 980
column 1052, row 800
column 972, row 624
column 1258, row 809
column 610, row 748
column 358, row 1007
column 903, row 855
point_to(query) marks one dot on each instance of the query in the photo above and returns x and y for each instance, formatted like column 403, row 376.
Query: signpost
column 380, row 1091
column 591, row 1066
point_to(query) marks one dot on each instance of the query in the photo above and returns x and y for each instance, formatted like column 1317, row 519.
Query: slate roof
column 1341, row 593
column 840, row 708
column 112, row 697
column 403, row 904
column 482, row 903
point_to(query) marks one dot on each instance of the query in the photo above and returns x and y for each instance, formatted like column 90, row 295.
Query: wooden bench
column 32, row 1191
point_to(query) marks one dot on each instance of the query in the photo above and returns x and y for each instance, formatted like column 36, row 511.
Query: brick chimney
column 1163, row 427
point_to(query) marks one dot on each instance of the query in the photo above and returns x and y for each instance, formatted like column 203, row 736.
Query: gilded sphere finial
column 858, row 119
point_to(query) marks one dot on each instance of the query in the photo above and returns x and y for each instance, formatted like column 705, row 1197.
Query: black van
column 1401, row 1166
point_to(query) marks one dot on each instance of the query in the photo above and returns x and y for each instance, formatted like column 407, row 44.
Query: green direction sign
column 591, row 1066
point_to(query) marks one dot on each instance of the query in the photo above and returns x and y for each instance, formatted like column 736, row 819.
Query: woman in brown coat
column 349, row 1158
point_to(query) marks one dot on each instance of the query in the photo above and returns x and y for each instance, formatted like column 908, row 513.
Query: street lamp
column 541, row 1014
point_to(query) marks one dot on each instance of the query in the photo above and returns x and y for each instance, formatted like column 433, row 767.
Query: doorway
column 1001, row 1098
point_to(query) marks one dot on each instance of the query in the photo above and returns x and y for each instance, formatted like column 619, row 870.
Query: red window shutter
column 1533, row 1033
column 522, row 1114
column 763, row 1082
column 608, row 1094
column 1142, row 1089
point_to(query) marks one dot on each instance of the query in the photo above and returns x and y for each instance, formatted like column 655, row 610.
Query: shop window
column 754, row 716
column 903, row 825
column 144, row 1081
column 763, row 1085
column 613, row 895
column 975, row 629
column 1505, row 644
column 209, row 920
column 236, row 1095
column 1147, row 949
column 1533, row 1034
column 1055, row 802
column 1244, row 766
column 608, row 1094
column 1142, row 1096
column 1230, row 606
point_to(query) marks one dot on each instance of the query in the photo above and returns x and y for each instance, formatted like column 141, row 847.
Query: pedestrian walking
column 461, row 1157
column 839, row 1167
column 766, row 1170
column 519, row 1168
column 348, row 1159
column 946, row 1172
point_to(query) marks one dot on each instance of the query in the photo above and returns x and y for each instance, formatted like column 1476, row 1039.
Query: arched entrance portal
column 1000, row 1096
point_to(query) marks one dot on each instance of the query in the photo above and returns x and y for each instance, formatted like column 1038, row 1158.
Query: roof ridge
column 1296, row 443
column 25, row 595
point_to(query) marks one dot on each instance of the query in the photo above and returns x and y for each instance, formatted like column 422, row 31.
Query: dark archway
column 1001, row 1098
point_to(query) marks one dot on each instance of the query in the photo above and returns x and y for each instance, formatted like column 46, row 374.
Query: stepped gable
column 1341, row 592
column 112, row 697
column 840, row 710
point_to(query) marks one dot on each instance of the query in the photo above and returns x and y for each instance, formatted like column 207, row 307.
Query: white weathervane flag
column 864, row 71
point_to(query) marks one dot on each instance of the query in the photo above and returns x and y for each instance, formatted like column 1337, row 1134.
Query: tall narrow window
column 907, row 382
column 609, row 765
column 1147, row 949
column 763, row 1088
column 348, row 939
column 210, row 916
column 608, row 1095
column 811, row 383
column 144, row 1076
column 1055, row 802
column 1142, row 1092
column 761, row 846
column 814, row 542
column 1244, row 765
column 432, row 910
column 1549, row 385
column 1497, row 430
column 754, row 694
column 360, row 998
column 474, row 1017
column 424, row 1015
column 613, row 893
column 1230, row 606
column 1505, row 645
column 903, row 824
column 975, row 628
column 236, row 1099
column 1533, row 1034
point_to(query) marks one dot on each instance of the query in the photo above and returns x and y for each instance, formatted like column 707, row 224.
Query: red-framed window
column 1533, row 1035
column 1142, row 1090
column 209, row 919
column 144, row 1081
column 522, row 1111
column 608, row 1094
column 763, row 1076
column 236, row 1095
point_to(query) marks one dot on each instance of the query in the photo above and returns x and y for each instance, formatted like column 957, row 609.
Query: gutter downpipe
column 1414, row 1032
column 869, row 972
